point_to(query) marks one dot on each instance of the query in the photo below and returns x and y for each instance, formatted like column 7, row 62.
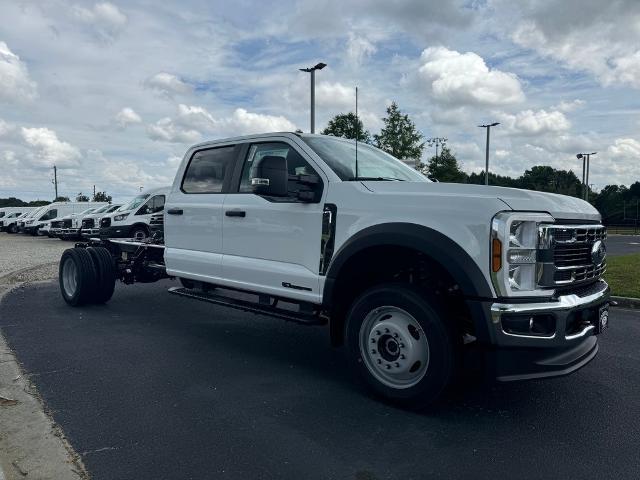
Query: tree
column 444, row 168
column 548, row 179
column 62, row 199
column 399, row 136
column 495, row 180
column 347, row 125
column 82, row 198
column 102, row 197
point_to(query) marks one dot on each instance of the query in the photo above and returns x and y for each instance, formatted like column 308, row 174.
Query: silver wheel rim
column 394, row 347
column 69, row 277
column 139, row 235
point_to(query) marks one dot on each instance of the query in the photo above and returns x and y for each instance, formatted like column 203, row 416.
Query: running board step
column 297, row 317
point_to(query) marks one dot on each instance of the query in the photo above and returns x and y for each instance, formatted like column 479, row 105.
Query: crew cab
column 133, row 218
column 414, row 277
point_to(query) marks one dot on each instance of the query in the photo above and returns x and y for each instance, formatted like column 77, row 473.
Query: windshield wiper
column 378, row 179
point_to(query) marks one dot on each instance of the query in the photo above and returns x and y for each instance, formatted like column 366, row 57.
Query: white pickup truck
column 413, row 276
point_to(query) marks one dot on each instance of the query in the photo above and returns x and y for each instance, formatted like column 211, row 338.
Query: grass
column 623, row 275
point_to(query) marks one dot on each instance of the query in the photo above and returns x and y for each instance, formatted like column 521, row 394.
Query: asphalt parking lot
column 623, row 244
column 154, row 386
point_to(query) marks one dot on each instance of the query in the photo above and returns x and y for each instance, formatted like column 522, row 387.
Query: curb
column 626, row 302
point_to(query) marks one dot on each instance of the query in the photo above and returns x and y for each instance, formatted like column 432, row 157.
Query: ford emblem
column 598, row 252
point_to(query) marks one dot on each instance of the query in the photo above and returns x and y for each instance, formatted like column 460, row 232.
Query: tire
column 77, row 277
column 106, row 274
column 410, row 351
column 13, row 229
column 139, row 232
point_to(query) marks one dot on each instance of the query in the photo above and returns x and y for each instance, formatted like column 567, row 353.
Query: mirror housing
column 269, row 176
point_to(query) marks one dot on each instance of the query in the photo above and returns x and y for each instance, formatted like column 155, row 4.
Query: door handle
column 175, row 211
column 235, row 213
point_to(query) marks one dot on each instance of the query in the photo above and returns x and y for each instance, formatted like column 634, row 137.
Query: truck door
column 273, row 246
column 193, row 214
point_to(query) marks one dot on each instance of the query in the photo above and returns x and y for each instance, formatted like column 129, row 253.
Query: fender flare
column 462, row 268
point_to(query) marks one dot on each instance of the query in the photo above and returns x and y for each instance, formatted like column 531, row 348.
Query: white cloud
column 602, row 41
column 15, row 82
column 105, row 19
column 127, row 116
column 567, row 107
column 167, row 84
column 529, row 122
column 166, row 130
column 464, row 78
column 46, row 150
column 359, row 48
column 191, row 123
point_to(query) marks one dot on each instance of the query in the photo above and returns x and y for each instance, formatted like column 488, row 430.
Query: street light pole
column 586, row 158
column 312, row 71
column 486, row 170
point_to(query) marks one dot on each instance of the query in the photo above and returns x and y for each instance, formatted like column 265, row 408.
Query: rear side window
column 207, row 170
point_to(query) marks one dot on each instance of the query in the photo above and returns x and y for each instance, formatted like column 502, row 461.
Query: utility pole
column 312, row 71
column 586, row 157
column 55, row 180
column 94, row 191
column 486, row 170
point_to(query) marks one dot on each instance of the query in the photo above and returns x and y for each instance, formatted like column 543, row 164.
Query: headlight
column 514, row 248
column 119, row 218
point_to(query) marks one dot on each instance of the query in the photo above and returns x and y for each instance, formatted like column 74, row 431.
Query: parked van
column 8, row 218
column 22, row 221
column 91, row 223
column 132, row 219
column 57, row 210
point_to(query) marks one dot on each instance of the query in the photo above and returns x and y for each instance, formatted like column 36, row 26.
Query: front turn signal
column 496, row 255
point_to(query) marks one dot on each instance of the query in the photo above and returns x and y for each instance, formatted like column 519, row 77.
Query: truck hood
column 561, row 207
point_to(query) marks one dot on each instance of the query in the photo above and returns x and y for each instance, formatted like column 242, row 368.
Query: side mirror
column 269, row 176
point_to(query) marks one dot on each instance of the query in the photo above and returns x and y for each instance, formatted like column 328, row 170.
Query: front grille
column 88, row 223
column 56, row 224
column 66, row 223
column 105, row 222
column 566, row 254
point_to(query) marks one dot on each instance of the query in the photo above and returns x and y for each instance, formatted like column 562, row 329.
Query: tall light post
column 312, row 71
column 586, row 157
column 437, row 141
column 486, row 169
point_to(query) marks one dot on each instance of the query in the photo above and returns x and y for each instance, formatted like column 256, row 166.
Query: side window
column 295, row 163
column 53, row 213
column 207, row 170
column 154, row 204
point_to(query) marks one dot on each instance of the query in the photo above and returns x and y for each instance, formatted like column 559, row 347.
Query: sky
column 113, row 93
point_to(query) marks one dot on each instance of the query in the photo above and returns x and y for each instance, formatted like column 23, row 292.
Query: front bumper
column 90, row 232
column 568, row 346
column 70, row 232
column 115, row 231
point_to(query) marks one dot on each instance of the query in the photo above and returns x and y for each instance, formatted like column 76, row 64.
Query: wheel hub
column 394, row 347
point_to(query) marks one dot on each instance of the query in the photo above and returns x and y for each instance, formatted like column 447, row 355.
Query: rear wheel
column 400, row 345
column 77, row 277
column 105, row 272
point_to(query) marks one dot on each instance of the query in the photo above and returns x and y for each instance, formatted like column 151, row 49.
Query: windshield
column 135, row 203
column 113, row 208
column 102, row 209
column 36, row 212
column 84, row 212
column 373, row 163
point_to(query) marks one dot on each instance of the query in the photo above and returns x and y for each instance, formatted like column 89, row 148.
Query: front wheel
column 400, row 345
column 139, row 233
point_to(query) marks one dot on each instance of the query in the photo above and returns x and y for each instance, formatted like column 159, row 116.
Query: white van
column 72, row 224
column 132, row 219
column 9, row 217
column 57, row 210
column 22, row 221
